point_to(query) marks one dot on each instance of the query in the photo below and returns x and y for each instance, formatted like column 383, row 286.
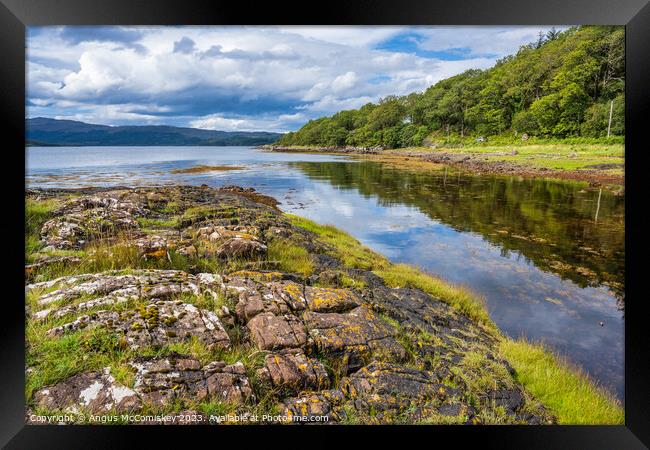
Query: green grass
column 54, row 360
column 37, row 212
column 345, row 247
column 557, row 156
column 170, row 222
column 566, row 390
column 292, row 258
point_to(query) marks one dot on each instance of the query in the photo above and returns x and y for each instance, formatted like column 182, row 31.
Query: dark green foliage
column 557, row 87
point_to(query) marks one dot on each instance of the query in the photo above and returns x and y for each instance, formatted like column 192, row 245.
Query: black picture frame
column 15, row 15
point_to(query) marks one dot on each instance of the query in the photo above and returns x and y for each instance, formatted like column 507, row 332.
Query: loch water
column 547, row 256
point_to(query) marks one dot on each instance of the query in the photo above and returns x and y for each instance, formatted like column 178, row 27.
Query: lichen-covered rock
column 96, row 392
column 161, row 381
column 158, row 382
column 356, row 334
column 238, row 247
column 152, row 246
column 82, row 219
column 379, row 378
column 294, row 370
column 270, row 332
column 276, row 298
column 330, row 300
column 110, row 288
column 393, row 393
column 156, row 324
column 318, row 405
column 221, row 233
column 414, row 309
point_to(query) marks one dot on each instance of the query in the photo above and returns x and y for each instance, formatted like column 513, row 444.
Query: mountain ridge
column 44, row 131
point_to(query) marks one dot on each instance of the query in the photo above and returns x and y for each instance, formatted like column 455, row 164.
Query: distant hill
column 50, row 132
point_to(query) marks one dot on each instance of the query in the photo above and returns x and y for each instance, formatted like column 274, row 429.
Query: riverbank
column 596, row 164
column 210, row 302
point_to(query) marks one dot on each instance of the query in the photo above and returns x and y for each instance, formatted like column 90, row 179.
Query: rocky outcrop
column 240, row 333
column 293, row 370
column 163, row 380
column 354, row 336
column 158, row 382
column 85, row 218
column 94, row 391
column 163, row 322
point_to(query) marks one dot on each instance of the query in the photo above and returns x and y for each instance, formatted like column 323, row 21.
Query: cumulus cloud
column 484, row 40
column 185, row 45
column 243, row 78
column 270, row 123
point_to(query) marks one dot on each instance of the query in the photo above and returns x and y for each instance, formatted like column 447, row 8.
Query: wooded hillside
column 560, row 86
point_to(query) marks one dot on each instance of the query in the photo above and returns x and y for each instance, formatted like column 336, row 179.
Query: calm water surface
column 547, row 256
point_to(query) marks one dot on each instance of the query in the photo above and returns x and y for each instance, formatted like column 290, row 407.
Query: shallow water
column 547, row 256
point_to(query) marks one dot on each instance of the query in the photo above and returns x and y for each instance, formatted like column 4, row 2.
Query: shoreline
column 240, row 262
column 469, row 159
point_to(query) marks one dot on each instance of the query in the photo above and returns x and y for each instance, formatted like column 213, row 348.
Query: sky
column 235, row 78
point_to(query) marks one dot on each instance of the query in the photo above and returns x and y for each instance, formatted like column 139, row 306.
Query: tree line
column 565, row 84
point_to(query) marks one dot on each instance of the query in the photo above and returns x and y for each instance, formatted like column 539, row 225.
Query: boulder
column 241, row 248
column 157, row 324
column 321, row 405
column 294, row 370
column 96, row 392
column 152, row 246
column 387, row 379
column 270, row 332
column 139, row 284
column 357, row 334
column 159, row 381
column 276, row 298
column 330, row 300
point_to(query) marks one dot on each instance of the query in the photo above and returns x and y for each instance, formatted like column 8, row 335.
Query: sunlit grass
column 292, row 258
column 345, row 247
column 565, row 389
column 146, row 222
column 551, row 156
column 37, row 212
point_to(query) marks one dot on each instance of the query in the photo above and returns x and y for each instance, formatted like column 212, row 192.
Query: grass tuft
column 350, row 251
column 565, row 389
column 292, row 258
column 37, row 212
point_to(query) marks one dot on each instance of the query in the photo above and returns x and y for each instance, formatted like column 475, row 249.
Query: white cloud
column 360, row 36
column 480, row 40
column 241, row 78
column 280, row 123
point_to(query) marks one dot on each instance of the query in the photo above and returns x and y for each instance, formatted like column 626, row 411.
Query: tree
column 559, row 86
